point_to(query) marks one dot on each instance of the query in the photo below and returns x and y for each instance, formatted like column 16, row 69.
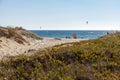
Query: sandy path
column 9, row 47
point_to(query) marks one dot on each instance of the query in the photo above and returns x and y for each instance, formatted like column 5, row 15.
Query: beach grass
column 17, row 34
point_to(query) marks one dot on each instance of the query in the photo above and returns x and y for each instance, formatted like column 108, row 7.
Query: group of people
column 67, row 37
column 74, row 36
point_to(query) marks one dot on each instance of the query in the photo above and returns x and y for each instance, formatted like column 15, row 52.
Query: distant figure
column 74, row 36
column 67, row 37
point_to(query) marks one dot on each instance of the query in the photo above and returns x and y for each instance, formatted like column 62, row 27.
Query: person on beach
column 67, row 37
column 74, row 36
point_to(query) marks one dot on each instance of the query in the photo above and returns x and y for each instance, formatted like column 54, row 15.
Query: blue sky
column 61, row 14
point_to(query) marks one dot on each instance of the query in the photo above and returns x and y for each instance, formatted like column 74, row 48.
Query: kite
column 86, row 22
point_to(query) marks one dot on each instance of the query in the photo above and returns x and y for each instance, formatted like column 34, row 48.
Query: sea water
column 68, row 33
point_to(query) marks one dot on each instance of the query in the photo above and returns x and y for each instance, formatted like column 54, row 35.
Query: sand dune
column 9, row 47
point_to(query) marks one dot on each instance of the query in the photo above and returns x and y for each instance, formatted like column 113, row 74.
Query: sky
column 61, row 14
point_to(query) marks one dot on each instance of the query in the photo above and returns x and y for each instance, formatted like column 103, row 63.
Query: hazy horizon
column 61, row 14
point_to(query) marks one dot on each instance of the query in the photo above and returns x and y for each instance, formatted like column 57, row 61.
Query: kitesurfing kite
column 40, row 27
column 86, row 22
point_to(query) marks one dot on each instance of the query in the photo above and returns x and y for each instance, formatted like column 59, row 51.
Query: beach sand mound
column 11, row 33
column 27, row 33
column 17, row 34
column 15, row 41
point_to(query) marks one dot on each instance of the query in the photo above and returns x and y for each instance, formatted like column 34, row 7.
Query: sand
column 9, row 47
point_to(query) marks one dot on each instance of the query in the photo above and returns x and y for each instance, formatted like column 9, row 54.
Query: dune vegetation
column 17, row 34
column 97, row 59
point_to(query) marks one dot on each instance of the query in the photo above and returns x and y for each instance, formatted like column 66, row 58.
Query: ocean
column 68, row 33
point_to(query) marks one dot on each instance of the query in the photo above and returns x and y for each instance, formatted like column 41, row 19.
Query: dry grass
column 28, row 33
column 17, row 33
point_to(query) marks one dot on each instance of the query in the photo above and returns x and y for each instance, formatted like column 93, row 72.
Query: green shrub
column 86, row 60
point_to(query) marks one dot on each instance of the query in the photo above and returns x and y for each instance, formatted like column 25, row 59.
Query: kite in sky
column 86, row 22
